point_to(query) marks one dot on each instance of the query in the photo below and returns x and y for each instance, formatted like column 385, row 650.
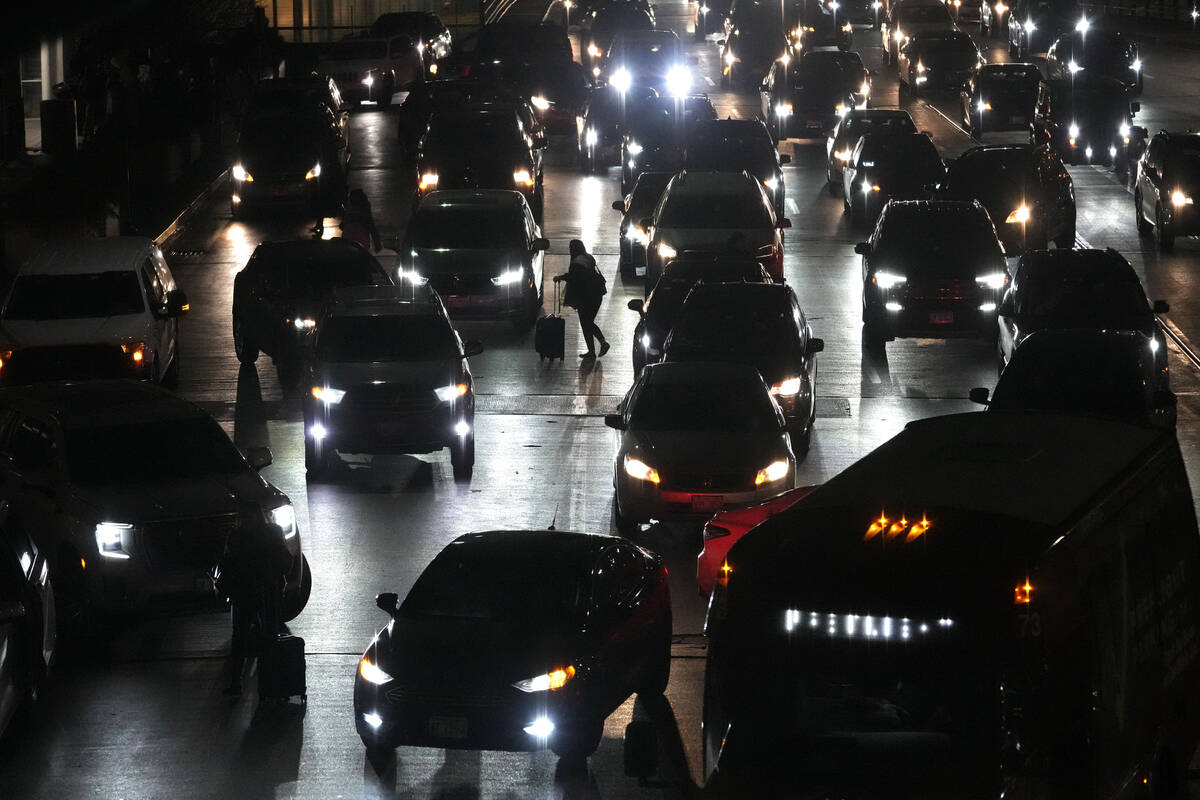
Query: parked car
column 28, row 619
column 92, row 308
column 853, row 126
column 1001, row 97
column 372, row 69
column 1107, row 53
column 568, row 624
column 1168, row 178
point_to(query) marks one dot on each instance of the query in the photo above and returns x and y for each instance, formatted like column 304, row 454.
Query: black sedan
column 602, row 23
column 1000, row 97
column 516, row 640
column 821, row 26
column 852, row 127
column 1088, row 120
column 886, row 166
column 638, row 205
column 938, row 61
column 600, row 126
column 1105, row 53
column 1167, row 181
column 655, row 135
column 755, row 41
column 806, row 97
column 733, row 145
column 1026, row 190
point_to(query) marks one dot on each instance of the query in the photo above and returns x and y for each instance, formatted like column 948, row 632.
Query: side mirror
column 815, row 346
column 1161, row 307
column 1135, row 107
column 618, row 205
column 540, row 244
column 259, row 457
column 472, row 348
column 388, row 602
column 614, row 421
column 177, row 303
column 979, row 395
column 784, row 158
column 637, row 304
column 720, row 42
column 645, row 223
column 783, row 222
column 12, row 611
column 863, row 248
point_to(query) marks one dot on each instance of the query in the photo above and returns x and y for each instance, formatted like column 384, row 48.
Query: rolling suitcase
column 550, row 333
column 281, row 671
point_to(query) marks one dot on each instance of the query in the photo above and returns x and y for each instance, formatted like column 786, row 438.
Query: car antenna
column 553, row 519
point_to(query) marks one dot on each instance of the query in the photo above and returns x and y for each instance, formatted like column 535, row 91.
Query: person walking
column 358, row 221
column 586, row 287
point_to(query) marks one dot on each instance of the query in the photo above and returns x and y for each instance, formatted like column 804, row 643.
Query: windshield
column 644, row 56
column 1105, row 381
column 498, row 586
column 724, row 407
column 914, row 154
column 1106, row 56
column 922, row 15
column 818, row 73
column 467, row 227
column 100, row 294
column 351, row 50
column 475, row 131
column 1083, row 298
column 387, row 338
column 314, row 278
column 995, row 174
column 164, row 450
column 647, row 192
column 957, row 48
column 738, row 208
column 936, row 236
column 759, row 334
column 855, row 127
column 1097, row 108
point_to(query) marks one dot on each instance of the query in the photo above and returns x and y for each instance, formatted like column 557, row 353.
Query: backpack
column 600, row 282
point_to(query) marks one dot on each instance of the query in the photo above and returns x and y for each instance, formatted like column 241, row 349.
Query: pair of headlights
column 550, row 681
column 639, row 470
column 113, row 538
column 242, row 175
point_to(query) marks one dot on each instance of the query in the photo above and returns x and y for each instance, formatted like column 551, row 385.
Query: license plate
column 941, row 317
column 813, row 124
column 281, row 191
column 391, row 427
column 456, row 301
column 448, row 727
column 708, row 503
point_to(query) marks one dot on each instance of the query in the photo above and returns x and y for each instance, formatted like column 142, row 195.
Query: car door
column 269, row 288
column 1006, row 320
column 14, row 650
column 158, row 326
column 622, row 641
column 1150, row 178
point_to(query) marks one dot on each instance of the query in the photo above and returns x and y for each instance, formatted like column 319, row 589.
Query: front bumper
column 475, row 297
column 1102, row 149
column 641, row 501
column 379, row 430
column 973, row 315
column 276, row 190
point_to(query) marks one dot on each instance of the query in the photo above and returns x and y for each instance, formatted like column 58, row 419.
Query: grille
column 182, row 545
column 461, row 284
column 344, row 77
column 942, row 289
column 703, row 482
column 411, row 696
column 393, row 397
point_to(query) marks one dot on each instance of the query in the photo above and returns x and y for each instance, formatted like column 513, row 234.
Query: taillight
column 714, row 531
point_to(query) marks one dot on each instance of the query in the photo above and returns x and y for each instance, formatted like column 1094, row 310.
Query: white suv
column 92, row 308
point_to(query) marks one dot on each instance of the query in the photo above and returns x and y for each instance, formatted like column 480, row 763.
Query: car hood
column 406, row 373
column 712, row 238
column 465, row 261
column 697, row 451
column 143, row 501
column 18, row 333
column 774, row 365
column 475, row 168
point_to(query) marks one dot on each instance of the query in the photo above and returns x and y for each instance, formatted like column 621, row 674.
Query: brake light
column 1023, row 594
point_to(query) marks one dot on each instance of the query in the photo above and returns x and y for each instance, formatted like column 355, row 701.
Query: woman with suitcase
column 586, row 288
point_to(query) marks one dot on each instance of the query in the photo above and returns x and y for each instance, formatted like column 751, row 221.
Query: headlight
column 591, row 137
column 433, row 68
column 789, row 387
column 412, row 276
column 666, row 251
column 1029, row 26
column 315, row 172
column 841, row 109
column 449, row 393
column 771, row 183
column 1073, row 131
column 593, row 51
column 371, row 673
column 304, row 323
column 920, row 68
column 1082, row 26
column 848, row 28
column 886, row 280
column 633, row 148
column 1020, row 214
column 110, row 539
column 240, row 174
column 1073, row 67
column 983, row 106
column 1136, row 66
column 539, row 102
column 1123, row 129
column 508, row 276
column 898, row 36
column 637, row 234
column 621, row 80
column 993, row 280
column 843, row 154
column 136, row 352
column 679, row 81
column 640, row 470
column 429, row 180
column 285, row 518
column 775, row 471
column 1178, row 198
column 328, row 395
column 552, row 681
column 521, row 177
column 865, row 89
column 368, row 81
column 729, row 58
column 1000, row 8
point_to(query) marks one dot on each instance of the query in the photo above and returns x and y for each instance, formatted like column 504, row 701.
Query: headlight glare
column 521, row 177
column 633, row 148
column 666, row 251
column 789, row 387
column 552, row 681
column 775, row 471
column 240, row 174
column 679, row 81
column 328, row 395
column 1178, row 198
column 110, row 539
column 412, row 276
column 540, row 103
column 285, row 517
column 371, row 673
column 507, row 277
column 993, row 280
column 1020, row 214
column 449, row 393
column 640, row 470
column 429, row 180
column 313, row 173
column 621, row 80
column 887, row 280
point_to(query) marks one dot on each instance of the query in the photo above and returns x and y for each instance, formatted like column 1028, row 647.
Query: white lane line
column 791, row 206
column 711, row 83
column 1082, row 242
column 953, row 124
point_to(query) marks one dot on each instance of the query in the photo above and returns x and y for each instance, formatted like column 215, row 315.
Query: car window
column 313, row 278
column 387, row 338
column 1081, row 296
column 731, row 406
column 906, row 231
column 738, row 207
column 150, row 451
column 466, row 227
column 618, row 575
column 31, row 447
column 84, row 296
column 358, row 49
column 152, row 284
column 1104, row 381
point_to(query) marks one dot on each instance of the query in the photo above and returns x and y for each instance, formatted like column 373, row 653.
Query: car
column 694, row 436
column 1107, row 53
column 733, row 145
column 600, row 126
column 993, row 17
column 728, row 526
column 28, row 619
column 568, row 624
column 910, row 18
column 387, row 373
column 933, row 269
column 937, row 61
column 1088, row 119
column 1034, row 25
column 820, row 26
column 292, row 156
column 1026, row 190
column 146, row 488
column 760, row 324
column 658, row 312
column 851, row 127
column 450, row 94
column 481, row 147
column 92, row 308
column 292, row 91
column 655, row 135
column 755, row 40
column 481, row 251
column 372, row 69
column 636, row 206
column 704, row 211
column 710, row 17
column 886, row 166
column 653, row 58
column 1095, row 289
column 1097, row 372
column 1001, row 97
column 424, row 27
column 1168, row 178
column 278, row 295
column 807, row 96
column 599, row 26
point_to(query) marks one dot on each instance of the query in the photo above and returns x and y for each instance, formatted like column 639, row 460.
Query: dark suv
column 388, row 374
column 1168, row 180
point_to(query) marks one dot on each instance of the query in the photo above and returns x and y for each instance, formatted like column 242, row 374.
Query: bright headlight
column 1178, row 198
column 591, row 137
column 843, row 154
column 679, row 81
column 621, row 80
column 1073, row 67
column 371, row 673
column 775, row 471
column 771, row 183
column 285, row 517
column 593, row 51
column 539, row 102
column 1073, row 131
column 1136, row 66
column 448, row 393
column 666, row 251
column 640, row 470
column 729, row 58
column 1020, row 214
column 508, row 276
column 789, row 387
column 920, row 68
column 412, row 276
column 315, row 172
column 552, row 681
column 304, row 323
column 865, row 89
column 983, row 106
column 899, row 35
column 887, row 280
column 993, row 280
column 240, row 174
column 1123, row 129
column 1082, row 26
column 328, row 395
column 1029, row 26
column 429, row 180
column 110, row 539
column 368, row 81
column 633, row 148
column 848, row 28
column 637, row 234
column 521, row 177
column 841, row 109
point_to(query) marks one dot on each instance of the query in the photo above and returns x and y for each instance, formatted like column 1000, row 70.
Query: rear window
column 134, row 453
column 759, row 330
column 1107, row 382
column 387, row 338
column 87, row 296
column 475, row 132
column 922, row 15
column 738, row 208
column 467, row 227
column 1082, row 296
column 314, row 278
column 860, row 126
column 965, row 232
column 499, row 586
column 992, row 174
column 704, row 406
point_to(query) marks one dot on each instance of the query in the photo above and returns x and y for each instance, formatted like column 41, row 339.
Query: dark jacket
column 585, row 284
column 255, row 557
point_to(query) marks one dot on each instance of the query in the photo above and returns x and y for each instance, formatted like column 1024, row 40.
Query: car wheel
column 1166, row 236
column 1143, row 225
column 625, row 526
column 295, row 600
column 462, row 457
column 658, row 672
column 245, row 348
column 578, row 739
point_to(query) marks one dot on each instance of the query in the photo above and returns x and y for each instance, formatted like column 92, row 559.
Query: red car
column 726, row 527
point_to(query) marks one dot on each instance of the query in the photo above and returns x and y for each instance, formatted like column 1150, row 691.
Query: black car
column 806, row 97
column 480, row 147
column 1095, row 289
column 657, row 313
column 277, row 297
column 1168, row 178
column 481, row 251
column 886, row 166
column 821, row 25
column 601, row 24
column 425, row 28
column 1096, row 372
column 655, row 136
column 760, row 324
column 754, row 42
column 452, row 94
column 28, row 619
column 1105, row 53
column 652, row 58
column 387, row 373
column 1000, row 97
column 937, row 61
column 853, row 126
column 1034, row 24
column 1026, row 190
column 1088, row 119
column 733, row 145
column 931, row 269
column 516, row 640
column 710, row 17
column 636, row 206
column 600, row 128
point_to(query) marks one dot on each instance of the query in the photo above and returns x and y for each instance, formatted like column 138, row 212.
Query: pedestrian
column 251, row 575
column 358, row 221
column 586, row 287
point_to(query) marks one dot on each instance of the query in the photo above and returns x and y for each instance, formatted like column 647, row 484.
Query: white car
column 92, row 308
column 372, row 69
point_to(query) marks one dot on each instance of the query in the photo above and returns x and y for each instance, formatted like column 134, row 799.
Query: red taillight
column 714, row 531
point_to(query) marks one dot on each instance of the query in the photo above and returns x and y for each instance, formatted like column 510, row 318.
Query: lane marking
column 952, row 123
column 711, row 83
column 1180, row 341
column 791, row 206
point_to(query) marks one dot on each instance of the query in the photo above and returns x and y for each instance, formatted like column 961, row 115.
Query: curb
column 180, row 221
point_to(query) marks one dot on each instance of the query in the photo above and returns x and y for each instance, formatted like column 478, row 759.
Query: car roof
column 758, row 295
column 694, row 180
column 385, row 301
column 877, row 113
column 555, row 545
column 691, row 373
column 308, row 249
column 105, row 402
column 473, row 198
column 928, row 208
column 88, row 256
column 1065, row 342
column 1000, row 149
column 1092, row 261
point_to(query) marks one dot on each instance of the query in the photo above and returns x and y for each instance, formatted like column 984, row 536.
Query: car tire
column 244, row 347
column 1143, row 225
column 578, row 739
column 462, row 457
column 1165, row 235
column 658, row 672
column 625, row 526
column 295, row 600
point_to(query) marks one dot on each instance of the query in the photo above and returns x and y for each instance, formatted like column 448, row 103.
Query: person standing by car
column 586, row 287
column 358, row 221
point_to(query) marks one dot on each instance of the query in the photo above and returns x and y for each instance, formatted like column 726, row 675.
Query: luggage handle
column 557, row 299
